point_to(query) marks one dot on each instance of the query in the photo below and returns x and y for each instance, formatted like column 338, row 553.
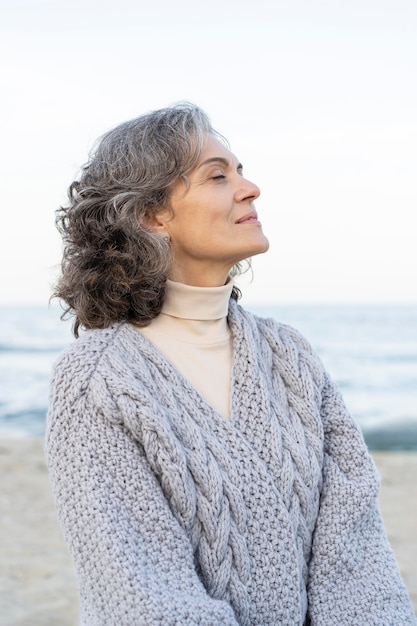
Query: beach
column 37, row 581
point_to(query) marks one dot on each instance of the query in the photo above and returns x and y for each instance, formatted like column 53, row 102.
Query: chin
column 262, row 247
column 246, row 250
column 253, row 251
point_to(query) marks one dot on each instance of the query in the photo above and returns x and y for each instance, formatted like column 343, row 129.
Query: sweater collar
column 197, row 303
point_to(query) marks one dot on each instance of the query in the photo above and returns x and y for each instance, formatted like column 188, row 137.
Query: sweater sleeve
column 353, row 575
column 134, row 561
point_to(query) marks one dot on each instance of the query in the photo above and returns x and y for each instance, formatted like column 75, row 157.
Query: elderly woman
column 205, row 468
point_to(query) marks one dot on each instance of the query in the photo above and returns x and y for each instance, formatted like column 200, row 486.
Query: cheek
column 201, row 218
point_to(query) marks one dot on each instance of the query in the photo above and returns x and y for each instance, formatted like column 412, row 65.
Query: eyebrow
column 221, row 160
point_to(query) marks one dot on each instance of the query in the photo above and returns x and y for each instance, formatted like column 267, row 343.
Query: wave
column 392, row 436
column 13, row 349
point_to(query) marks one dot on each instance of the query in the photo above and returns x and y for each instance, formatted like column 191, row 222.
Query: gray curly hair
column 113, row 267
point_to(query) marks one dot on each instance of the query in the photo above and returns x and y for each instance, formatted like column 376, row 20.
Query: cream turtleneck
column 192, row 333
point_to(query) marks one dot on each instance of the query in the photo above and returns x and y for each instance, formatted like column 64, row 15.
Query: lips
column 249, row 218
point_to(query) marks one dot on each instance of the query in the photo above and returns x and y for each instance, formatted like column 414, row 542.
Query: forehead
column 213, row 148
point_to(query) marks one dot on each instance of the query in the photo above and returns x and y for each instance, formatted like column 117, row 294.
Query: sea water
column 370, row 351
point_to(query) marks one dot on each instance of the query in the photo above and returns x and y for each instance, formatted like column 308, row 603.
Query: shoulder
column 275, row 332
column 101, row 366
column 78, row 362
column 288, row 345
column 79, row 377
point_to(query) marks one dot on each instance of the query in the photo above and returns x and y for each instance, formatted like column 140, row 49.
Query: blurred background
column 319, row 102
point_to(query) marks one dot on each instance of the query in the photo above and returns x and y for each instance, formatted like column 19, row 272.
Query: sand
column 37, row 582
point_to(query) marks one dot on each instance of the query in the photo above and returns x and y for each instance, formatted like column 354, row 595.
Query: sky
column 317, row 99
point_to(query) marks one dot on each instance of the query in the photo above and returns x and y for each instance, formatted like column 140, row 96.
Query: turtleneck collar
column 192, row 332
column 197, row 303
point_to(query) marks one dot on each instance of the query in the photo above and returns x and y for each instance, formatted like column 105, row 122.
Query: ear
column 156, row 221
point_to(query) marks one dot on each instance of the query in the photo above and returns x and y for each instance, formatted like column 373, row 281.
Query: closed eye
column 218, row 177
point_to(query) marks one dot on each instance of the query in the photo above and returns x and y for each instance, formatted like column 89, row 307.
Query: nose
column 247, row 191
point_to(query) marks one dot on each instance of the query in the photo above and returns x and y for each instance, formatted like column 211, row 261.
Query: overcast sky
column 317, row 99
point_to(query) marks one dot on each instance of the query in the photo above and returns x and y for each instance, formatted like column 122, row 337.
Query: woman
column 204, row 466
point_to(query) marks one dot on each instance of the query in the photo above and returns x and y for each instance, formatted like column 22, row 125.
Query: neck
column 200, row 277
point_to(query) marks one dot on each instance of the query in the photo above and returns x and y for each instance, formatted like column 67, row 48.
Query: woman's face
column 212, row 223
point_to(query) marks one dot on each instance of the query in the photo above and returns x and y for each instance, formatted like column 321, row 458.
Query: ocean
column 370, row 351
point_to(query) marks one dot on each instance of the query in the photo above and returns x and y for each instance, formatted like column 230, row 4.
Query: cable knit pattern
column 175, row 515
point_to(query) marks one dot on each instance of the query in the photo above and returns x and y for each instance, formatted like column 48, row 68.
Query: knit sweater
column 176, row 515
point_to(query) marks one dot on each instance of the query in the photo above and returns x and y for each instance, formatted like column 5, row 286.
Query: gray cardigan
column 175, row 515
